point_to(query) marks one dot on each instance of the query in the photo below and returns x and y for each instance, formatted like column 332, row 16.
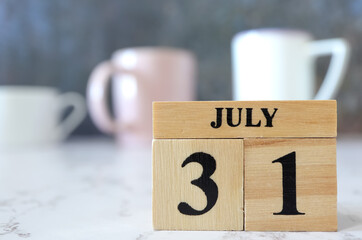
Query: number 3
column 204, row 182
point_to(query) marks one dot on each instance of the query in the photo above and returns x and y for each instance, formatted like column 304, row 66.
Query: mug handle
column 97, row 97
column 339, row 49
column 79, row 111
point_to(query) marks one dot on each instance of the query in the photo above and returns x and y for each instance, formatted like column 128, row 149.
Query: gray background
column 57, row 43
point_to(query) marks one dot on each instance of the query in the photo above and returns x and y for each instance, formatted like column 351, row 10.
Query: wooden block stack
column 255, row 166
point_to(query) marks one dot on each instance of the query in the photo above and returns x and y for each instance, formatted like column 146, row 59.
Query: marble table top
column 90, row 189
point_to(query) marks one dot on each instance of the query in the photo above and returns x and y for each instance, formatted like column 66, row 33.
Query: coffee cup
column 139, row 76
column 279, row 64
column 31, row 116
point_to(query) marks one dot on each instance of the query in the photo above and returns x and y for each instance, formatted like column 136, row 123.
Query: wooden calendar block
column 242, row 119
column 290, row 184
column 282, row 154
column 198, row 184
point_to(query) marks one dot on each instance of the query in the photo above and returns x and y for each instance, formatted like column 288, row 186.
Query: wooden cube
column 198, row 184
column 244, row 119
column 290, row 184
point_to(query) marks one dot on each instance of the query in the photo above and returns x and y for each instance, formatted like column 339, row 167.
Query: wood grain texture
column 292, row 119
column 172, row 184
column 316, row 185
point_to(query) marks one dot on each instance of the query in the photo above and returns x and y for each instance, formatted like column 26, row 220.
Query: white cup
column 32, row 115
column 277, row 64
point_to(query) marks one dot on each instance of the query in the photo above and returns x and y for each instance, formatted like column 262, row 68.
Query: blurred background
column 58, row 43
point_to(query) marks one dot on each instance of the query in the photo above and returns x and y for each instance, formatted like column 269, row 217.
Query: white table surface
column 90, row 189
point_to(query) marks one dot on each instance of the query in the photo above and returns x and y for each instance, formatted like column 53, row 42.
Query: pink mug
column 139, row 76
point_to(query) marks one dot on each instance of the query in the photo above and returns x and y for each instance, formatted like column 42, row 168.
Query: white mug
column 277, row 64
column 31, row 115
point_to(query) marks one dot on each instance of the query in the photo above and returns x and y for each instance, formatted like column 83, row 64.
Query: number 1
column 289, row 185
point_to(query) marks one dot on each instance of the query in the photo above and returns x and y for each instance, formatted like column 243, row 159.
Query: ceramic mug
column 31, row 116
column 278, row 64
column 140, row 75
